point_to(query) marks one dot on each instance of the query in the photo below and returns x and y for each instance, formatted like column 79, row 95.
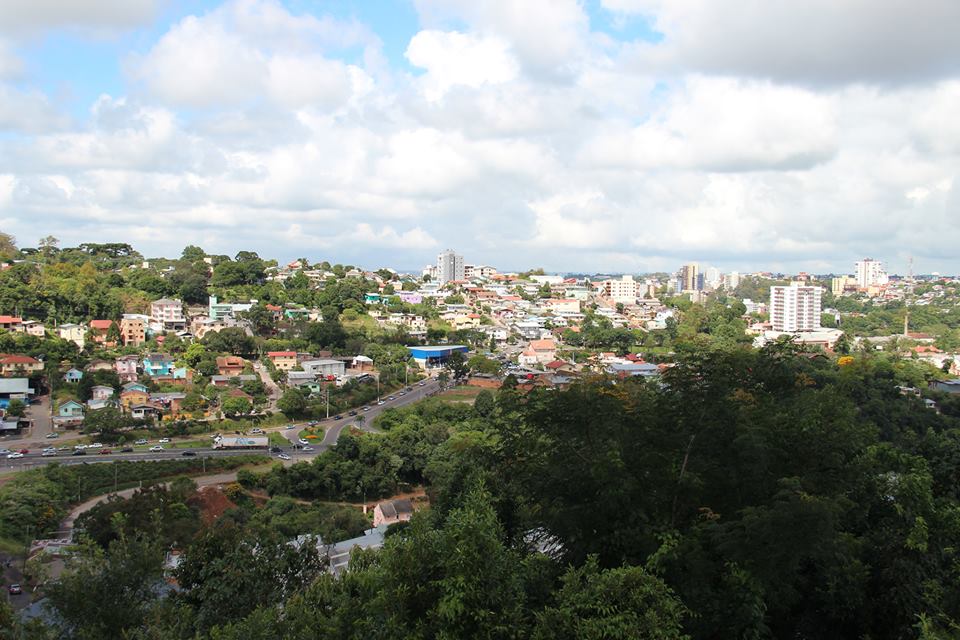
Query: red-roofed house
column 539, row 352
column 15, row 365
column 283, row 360
column 99, row 329
column 10, row 322
column 230, row 365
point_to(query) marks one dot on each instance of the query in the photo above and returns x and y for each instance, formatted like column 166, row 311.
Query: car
column 303, row 441
column 63, row 448
column 352, row 413
column 379, row 402
column 164, row 440
column 283, row 456
column 51, row 436
column 105, row 452
column 46, row 453
column 79, row 452
column 256, row 431
column 15, row 589
column 126, row 450
column 156, row 447
column 189, row 454
column 391, row 398
column 403, row 393
column 275, row 450
column 313, row 423
column 308, row 448
column 14, row 455
column 24, row 451
column 141, row 441
column 79, row 446
column 366, row 408
column 420, row 384
column 338, row 417
column 289, row 426
column 4, row 452
column 96, row 445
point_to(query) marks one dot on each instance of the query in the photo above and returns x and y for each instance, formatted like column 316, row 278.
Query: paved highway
column 333, row 430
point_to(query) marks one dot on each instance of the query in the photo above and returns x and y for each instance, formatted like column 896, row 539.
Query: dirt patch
column 213, row 503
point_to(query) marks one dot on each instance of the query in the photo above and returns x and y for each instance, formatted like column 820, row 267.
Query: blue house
column 135, row 386
column 158, row 364
column 70, row 409
column 73, row 375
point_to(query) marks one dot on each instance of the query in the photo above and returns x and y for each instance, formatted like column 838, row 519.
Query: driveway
column 273, row 390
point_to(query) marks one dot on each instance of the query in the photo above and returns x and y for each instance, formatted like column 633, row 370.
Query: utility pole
column 327, row 393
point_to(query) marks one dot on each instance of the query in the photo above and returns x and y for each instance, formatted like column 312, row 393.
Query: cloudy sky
column 600, row 135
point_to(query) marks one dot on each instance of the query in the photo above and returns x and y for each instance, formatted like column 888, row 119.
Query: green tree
column 107, row 422
column 235, row 406
column 16, row 408
column 484, row 403
column 292, row 403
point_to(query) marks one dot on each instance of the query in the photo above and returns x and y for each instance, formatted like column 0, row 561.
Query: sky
column 573, row 135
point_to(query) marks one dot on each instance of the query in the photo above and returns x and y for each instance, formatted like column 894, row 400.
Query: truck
column 241, row 442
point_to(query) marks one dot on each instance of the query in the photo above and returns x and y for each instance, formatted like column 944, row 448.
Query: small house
column 73, row 375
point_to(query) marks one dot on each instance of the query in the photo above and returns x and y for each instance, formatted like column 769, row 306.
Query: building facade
column 450, row 267
column 870, row 273
column 795, row 307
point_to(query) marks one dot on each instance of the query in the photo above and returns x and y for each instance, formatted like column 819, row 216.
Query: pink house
column 126, row 367
column 392, row 511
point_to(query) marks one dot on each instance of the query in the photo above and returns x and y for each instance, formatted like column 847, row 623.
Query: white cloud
column 18, row 16
column 456, row 59
column 727, row 125
column 548, row 36
column 815, row 41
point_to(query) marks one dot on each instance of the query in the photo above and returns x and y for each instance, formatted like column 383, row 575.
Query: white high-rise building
column 870, row 273
column 795, row 308
column 731, row 280
column 449, row 267
column 712, row 277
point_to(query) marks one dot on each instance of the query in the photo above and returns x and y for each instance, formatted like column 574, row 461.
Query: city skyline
column 604, row 135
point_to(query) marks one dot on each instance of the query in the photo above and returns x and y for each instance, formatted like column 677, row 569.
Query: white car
column 164, row 440
column 96, row 445
column 379, row 402
column 79, row 446
column 49, row 452
column 283, row 456
column 156, row 447
column 50, row 436
column 256, row 431
column 307, row 448
column 4, row 452
column 303, row 441
column 15, row 454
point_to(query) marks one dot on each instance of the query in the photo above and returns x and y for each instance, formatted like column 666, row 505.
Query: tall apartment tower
column 689, row 276
column 449, row 267
column 870, row 273
column 795, row 308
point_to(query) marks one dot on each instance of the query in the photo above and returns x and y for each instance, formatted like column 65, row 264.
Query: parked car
column 24, row 451
column 79, row 446
column 420, row 384
column 189, row 454
column 308, row 448
column 15, row 589
column 79, row 452
column 379, row 402
column 256, row 431
column 4, row 452
column 14, row 455
column 391, row 398
column 63, row 448
column 50, row 436
column 283, row 456
column 313, row 423
column 289, row 426
column 164, row 440
column 366, row 408
column 156, row 447
column 338, row 417
column 141, row 441
column 352, row 413
column 96, row 445
column 49, row 452
column 303, row 441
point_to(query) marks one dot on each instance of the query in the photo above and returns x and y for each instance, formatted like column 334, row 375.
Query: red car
column 24, row 451
column 104, row 452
